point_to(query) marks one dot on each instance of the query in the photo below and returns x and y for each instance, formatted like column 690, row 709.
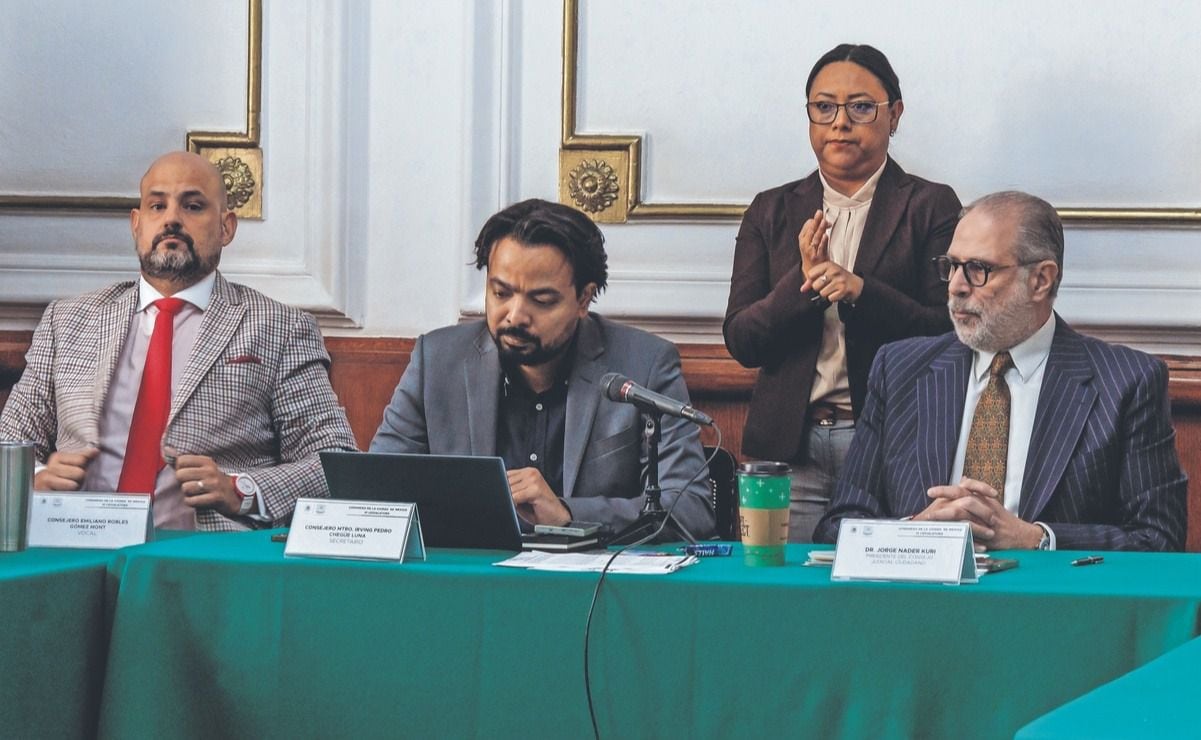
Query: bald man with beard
column 208, row 394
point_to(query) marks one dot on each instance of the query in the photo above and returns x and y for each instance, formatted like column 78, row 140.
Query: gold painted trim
column 637, row 209
column 195, row 141
column 89, row 203
column 1130, row 216
column 629, row 205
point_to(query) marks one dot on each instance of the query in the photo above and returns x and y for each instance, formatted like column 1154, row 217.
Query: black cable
column 605, row 570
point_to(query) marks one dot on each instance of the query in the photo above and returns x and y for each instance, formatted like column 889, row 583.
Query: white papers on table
column 820, row 557
column 649, row 563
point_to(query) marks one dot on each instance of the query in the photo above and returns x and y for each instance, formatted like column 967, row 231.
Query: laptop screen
column 463, row 501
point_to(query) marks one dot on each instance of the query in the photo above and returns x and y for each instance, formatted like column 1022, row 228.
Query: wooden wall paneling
column 13, row 346
column 1184, row 388
column 721, row 388
column 365, row 371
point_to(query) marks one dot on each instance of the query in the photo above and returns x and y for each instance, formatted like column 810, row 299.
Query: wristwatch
column 247, row 490
column 1045, row 542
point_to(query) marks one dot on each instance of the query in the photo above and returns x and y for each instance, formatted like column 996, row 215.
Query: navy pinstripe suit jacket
column 1102, row 470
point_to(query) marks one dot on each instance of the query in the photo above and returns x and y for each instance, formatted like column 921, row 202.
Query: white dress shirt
column 847, row 216
column 116, row 415
column 1025, row 380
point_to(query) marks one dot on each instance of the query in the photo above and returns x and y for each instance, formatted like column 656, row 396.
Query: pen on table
column 707, row 549
column 1090, row 560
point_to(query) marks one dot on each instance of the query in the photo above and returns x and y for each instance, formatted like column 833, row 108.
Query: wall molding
column 306, row 261
column 611, row 165
column 236, row 154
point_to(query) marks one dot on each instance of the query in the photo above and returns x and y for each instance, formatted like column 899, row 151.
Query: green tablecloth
column 1158, row 700
column 53, row 640
column 221, row 635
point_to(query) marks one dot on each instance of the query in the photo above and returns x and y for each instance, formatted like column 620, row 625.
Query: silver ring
column 823, row 279
column 200, row 486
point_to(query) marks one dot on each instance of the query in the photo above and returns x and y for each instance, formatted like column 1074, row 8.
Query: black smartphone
column 992, row 565
column 570, row 529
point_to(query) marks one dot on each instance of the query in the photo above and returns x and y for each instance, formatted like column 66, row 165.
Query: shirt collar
column 862, row 196
column 199, row 295
column 1027, row 356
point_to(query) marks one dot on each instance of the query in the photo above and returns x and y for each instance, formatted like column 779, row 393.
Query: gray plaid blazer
column 255, row 395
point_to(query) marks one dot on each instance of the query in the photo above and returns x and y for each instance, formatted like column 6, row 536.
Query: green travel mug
column 764, row 493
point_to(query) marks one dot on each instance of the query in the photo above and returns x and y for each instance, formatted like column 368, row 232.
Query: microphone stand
column 653, row 514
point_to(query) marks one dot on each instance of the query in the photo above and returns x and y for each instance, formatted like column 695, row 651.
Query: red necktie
column 143, row 450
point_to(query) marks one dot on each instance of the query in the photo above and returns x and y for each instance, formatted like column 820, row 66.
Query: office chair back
column 723, row 492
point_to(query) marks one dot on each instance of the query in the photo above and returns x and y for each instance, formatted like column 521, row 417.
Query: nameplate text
column 101, row 521
column 891, row 550
column 360, row 530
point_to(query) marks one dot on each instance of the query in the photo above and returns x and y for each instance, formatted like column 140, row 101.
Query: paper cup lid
column 764, row 468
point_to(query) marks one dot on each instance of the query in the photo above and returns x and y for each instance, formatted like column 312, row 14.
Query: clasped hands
column 993, row 526
column 535, row 501
column 203, row 484
column 822, row 275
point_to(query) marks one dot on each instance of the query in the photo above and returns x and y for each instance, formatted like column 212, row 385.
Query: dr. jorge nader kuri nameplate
column 360, row 530
column 891, row 550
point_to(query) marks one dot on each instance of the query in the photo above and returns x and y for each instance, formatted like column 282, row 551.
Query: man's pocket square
column 240, row 359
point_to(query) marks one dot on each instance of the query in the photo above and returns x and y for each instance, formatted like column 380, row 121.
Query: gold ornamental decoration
column 241, row 169
column 239, row 180
column 244, row 174
column 593, row 185
column 596, row 181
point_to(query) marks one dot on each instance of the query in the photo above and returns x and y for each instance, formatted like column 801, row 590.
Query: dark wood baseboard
column 365, row 371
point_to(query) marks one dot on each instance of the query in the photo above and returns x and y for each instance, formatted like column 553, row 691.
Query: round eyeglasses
column 859, row 111
column 974, row 271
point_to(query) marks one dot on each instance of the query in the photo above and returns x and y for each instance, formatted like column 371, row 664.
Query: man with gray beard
column 207, row 394
column 1037, row 436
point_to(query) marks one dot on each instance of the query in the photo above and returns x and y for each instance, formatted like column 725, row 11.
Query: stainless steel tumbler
column 16, row 482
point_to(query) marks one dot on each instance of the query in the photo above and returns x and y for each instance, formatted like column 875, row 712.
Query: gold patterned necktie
column 988, row 440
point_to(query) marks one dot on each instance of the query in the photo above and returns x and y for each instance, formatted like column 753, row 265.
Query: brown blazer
column 771, row 325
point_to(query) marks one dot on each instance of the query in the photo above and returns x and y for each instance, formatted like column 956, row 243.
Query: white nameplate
column 102, row 521
column 361, row 530
column 891, row 550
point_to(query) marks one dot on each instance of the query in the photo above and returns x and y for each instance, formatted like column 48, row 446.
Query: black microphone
column 617, row 387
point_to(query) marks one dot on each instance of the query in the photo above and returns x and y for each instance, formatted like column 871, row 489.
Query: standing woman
column 829, row 268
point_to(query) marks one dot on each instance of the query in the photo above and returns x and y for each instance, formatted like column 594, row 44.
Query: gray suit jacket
column 447, row 401
column 255, row 395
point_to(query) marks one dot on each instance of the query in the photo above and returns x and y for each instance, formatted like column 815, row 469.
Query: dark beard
column 533, row 355
column 176, row 265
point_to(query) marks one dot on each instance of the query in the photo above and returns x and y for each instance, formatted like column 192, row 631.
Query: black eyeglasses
column 859, row 111
column 974, row 271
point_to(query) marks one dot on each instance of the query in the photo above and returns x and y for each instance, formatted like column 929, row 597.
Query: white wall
column 393, row 128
